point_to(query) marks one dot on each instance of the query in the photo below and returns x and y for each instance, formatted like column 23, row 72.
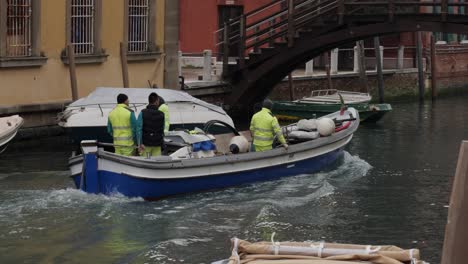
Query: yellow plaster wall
column 51, row 83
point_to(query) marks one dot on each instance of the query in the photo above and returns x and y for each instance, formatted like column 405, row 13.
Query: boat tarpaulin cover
column 106, row 97
column 318, row 253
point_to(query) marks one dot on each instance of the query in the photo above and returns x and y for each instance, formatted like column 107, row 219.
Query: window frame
column 152, row 52
column 36, row 59
column 98, row 55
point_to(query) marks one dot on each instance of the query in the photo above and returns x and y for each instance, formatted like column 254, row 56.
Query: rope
column 320, row 249
column 235, row 248
column 276, row 245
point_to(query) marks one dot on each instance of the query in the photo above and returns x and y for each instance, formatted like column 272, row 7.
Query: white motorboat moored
column 86, row 118
column 9, row 127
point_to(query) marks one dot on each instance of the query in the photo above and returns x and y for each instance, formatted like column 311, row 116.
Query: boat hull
column 153, row 189
column 293, row 111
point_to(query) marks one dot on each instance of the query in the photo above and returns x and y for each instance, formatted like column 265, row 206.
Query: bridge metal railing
column 281, row 20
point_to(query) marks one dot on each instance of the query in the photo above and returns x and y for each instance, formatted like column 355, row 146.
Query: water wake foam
column 16, row 204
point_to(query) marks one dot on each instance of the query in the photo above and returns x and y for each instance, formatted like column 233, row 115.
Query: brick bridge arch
column 292, row 41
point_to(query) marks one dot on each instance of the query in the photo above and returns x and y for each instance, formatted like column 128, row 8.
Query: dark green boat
column 324, row 102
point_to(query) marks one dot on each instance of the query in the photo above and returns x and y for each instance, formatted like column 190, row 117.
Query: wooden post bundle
column 456, row 231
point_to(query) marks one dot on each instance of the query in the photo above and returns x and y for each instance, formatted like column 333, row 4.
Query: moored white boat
column 86, row 118
column 9, row 127
column 99, row 171
column 332, row 96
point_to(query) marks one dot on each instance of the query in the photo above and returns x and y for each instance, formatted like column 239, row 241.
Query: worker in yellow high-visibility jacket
column 122, row 125
column 264, row 126
column 165, row 109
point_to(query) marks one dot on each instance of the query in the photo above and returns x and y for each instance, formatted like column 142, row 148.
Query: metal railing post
column 444, row 10
column 226, row 50
column 242, row 39
column 341, row 9
column 391, row 10
column 291, row 23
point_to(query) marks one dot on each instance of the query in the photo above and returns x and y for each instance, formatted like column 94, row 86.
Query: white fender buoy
column 238, row 144
column 325, row 126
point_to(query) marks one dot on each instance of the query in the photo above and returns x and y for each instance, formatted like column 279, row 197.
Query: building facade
column 34, row 59
column 199, row 19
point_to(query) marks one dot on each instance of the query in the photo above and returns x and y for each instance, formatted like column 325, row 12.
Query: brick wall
column 452, row 66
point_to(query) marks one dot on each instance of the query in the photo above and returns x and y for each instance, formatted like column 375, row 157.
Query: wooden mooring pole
column 456, row 230
column 291, row 86
column 124, row 62
column 378, row 59
column 226, row 50
column 419, row 60
column 433, row 69
column 362, row 66
column 327, row 69
column 72, row 69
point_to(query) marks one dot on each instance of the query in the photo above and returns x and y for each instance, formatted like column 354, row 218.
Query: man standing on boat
column 264, row 126
column 151, row 127
column 122, row 125
column 165, row 109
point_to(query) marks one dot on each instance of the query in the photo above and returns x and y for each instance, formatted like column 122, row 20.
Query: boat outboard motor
column 325, row 126
column 238, row 144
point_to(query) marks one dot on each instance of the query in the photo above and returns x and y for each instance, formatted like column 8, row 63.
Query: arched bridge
column 276, row 38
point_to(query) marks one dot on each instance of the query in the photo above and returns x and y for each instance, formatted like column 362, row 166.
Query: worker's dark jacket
column 153, row 126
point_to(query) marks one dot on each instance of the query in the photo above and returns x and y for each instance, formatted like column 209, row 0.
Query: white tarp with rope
column 317, row 253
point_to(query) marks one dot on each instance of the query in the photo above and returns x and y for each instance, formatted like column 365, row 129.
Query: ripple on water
column 161, row 252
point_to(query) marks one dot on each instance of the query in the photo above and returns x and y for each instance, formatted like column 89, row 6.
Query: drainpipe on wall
column 171, row 44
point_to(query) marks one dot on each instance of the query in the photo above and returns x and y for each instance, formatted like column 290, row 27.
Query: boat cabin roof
column 105, row 97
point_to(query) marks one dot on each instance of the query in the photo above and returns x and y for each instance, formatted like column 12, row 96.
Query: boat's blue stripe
column 110, row 182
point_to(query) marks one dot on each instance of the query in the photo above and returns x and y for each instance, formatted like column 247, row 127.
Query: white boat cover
column 318, row 253
column 106, row 97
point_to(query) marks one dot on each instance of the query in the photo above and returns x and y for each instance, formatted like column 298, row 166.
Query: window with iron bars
column 19, row 24
column 82, row 26
column 138, row 25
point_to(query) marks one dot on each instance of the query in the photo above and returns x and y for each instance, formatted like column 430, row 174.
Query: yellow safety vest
column 165, row 109
column 121, row 125
column 264, row 126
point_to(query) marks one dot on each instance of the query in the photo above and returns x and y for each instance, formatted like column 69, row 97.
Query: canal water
column 391, row 187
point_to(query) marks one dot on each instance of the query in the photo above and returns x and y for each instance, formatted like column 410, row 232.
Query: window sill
column 143, row 56
column 86, row 59
column 14, row 62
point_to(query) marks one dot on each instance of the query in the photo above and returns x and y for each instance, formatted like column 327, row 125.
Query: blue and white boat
column 192, row 169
